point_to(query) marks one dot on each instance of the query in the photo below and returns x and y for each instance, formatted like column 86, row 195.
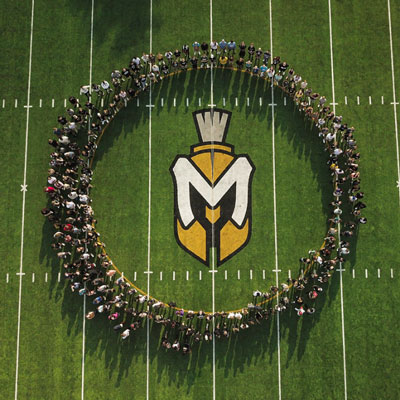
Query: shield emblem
column 212, row 192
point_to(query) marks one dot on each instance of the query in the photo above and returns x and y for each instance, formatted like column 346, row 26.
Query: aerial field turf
column 348, row 348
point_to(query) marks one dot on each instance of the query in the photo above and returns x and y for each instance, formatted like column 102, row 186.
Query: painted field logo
column 212, row 192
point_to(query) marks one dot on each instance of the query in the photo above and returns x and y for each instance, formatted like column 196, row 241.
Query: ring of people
column 205, row 181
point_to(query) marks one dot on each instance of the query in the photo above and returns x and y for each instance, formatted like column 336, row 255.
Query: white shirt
column 64, row 140
column 136, row 60
column 70, row 205
column 105, row 85
column 83, row 198
column 297, row 78
column 330, row 136
column 84, row 89
column 142, row 299
column 125, row 333
column 73, row 195
column 69, row 154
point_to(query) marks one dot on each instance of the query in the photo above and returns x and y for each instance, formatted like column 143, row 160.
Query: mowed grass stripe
column 14, row 48
column 43, row 333
column 171, row 125
column 121, row 32
column 378, row 167
column 309, row 56
column 374, row 125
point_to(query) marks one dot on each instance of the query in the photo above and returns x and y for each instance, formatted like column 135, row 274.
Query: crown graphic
column 212, row 124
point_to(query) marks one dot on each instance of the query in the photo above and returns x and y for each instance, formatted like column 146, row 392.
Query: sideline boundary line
column 23, row 205
column 278, row 333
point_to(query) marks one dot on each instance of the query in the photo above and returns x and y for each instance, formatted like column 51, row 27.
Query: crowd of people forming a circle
column 86, row 264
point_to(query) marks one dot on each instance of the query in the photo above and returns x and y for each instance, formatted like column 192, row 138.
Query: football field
column 346, row 50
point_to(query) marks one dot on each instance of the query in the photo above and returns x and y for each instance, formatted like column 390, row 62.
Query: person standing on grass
column 258, row 55
column 239, row 63
column 249, row 65
column 223, row 59
column 204, row 61
column 263, row 70
column 214, row 46
column 196, row 48
column 222, row 45
column 185, row 51
column 177, row 54
column 242, row 50
column 251, row 50
column 267, row 56
column 125, row 334
column 123, row 96
column 106, row 86
column 232, row 47
column 97, row 90
column 84, row 90
column 194, row 61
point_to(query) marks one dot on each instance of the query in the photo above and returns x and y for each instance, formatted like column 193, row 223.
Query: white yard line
column 23, row 205
column 83, row 348
column 341, row 269
column 212, row 227
column 278, row 333
column 84, row 297
column 149, row 216
column 394, row 98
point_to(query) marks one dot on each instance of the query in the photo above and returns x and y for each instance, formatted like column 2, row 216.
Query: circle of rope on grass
column 345, row 146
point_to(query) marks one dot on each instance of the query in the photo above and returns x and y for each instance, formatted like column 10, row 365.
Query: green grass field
column 46, row 353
